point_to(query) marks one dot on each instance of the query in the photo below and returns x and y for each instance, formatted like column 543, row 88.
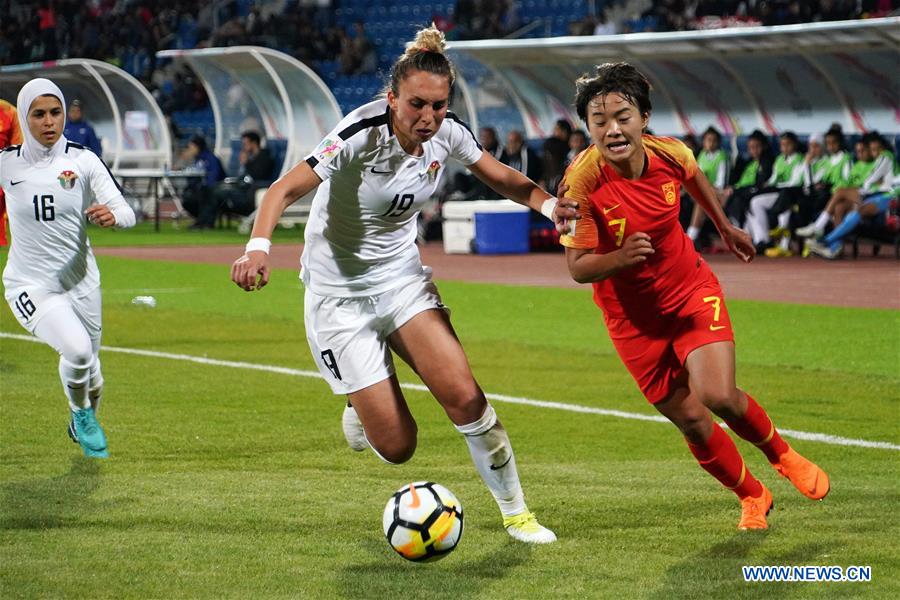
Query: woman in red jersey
column 662, row 304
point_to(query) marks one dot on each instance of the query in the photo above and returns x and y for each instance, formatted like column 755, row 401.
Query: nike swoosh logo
column 415, row 501
column 497, row 468
column 12, row 183
column 716, row 327
column 606, row 210
column 381, row 172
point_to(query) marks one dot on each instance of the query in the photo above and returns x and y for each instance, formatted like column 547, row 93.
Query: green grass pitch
column 235, row 483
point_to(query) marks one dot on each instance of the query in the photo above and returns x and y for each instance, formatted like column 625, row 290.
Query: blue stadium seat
column 278, row 149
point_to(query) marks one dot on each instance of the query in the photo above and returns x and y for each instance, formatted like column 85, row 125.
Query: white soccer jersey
column 360, row 238
column 46, row 203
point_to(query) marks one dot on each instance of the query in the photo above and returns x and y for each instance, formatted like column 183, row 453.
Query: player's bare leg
column 711, row 369
column 389, row 427
column 834, row 210
column 429, row 345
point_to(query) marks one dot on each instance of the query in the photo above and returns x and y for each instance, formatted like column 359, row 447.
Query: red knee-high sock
column 721, row 459
column 757, row 428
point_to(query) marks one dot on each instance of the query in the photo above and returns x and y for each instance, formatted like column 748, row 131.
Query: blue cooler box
column 501, row 232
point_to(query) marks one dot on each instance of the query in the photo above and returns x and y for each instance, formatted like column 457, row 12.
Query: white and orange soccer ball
column 423, row 521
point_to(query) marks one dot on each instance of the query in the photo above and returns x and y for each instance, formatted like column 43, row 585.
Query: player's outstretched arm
column 251, row 271
column 703, row 193
column 585, row 266
column 512, row 184
column 110, row 209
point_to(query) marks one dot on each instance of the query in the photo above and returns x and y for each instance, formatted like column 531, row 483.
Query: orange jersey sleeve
column 673, row 151
column 583, row 177
column 10, row 133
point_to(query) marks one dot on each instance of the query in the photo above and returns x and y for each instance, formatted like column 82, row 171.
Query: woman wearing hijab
column 51, row 281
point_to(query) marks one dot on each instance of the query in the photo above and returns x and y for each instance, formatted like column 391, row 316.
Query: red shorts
column 654, row 351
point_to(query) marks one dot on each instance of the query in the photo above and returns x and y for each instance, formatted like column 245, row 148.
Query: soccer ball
column 423, row 521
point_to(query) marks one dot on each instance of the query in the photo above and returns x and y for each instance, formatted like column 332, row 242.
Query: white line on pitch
column 800, row 435
column 186, row 290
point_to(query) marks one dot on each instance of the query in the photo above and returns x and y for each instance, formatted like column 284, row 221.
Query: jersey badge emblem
column 327, row 149
column 67, row 179
column 669, row 192
column 432, row 171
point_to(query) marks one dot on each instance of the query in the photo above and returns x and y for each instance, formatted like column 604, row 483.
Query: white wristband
column 548, row 206
column 258, row 243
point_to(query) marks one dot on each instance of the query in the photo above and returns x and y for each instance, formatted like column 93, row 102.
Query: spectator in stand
column 578, row 142
column 477, row 189
column 363, row 49
column 867, row 175
column 487, row 137
column 686, row 208
column 520, row 157
column 554, row 154
column 238, row 194
column 781, row 192
column 690, row 140
column 713, row 162
column 197, row 194
column 47, row 27
column 78, row 130
column 885, row 161
column 824, row 173
column 754, row 172
column 605, row 25
column 839, row 161
column 876, row 207
column 464, row 14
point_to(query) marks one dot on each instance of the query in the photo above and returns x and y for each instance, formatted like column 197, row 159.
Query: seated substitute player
column 51, row 280
column 662, row 304
column 367, row 292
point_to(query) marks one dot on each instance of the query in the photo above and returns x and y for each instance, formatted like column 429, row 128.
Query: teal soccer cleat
column 89, row 433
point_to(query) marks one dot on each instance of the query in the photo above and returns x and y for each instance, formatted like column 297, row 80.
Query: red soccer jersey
column 10, row 134
column 612, row 208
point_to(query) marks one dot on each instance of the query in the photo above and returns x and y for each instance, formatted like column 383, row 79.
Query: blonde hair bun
column 430, row 39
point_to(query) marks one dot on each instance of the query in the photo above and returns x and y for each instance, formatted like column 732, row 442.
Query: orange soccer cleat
column 804, row 474
column 755, row 509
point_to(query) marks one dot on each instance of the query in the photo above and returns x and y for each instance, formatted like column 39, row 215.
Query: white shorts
column 348, row 337
column 29, row 304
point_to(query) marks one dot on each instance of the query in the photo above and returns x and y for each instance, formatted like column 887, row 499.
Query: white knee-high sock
column 758, row 219
column 75, row 383
column 822, row 221
column 784, row 220
column 493, row 457
column 95, row 384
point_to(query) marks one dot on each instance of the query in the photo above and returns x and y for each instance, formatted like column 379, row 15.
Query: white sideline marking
column 823, row 438
column 182, row 290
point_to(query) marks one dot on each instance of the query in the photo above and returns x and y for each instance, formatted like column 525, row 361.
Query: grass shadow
column 53, row 502
column 717, row 570
column 386, row 575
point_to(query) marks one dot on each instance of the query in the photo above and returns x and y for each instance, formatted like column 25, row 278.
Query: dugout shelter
column 126, row 118
column 256, row 88
column 798, row 77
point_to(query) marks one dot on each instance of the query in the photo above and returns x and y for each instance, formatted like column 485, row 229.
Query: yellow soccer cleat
column 754, row 510
column 525, row 528
column 779, row 232
column 806, row 476
column 778, row 252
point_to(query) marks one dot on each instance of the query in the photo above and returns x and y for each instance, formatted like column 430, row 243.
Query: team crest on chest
column 668, row 189
column 67, row 179
column 432, row 171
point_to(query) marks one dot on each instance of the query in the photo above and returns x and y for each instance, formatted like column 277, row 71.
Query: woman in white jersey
column 367, row 292
column 51, row 282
